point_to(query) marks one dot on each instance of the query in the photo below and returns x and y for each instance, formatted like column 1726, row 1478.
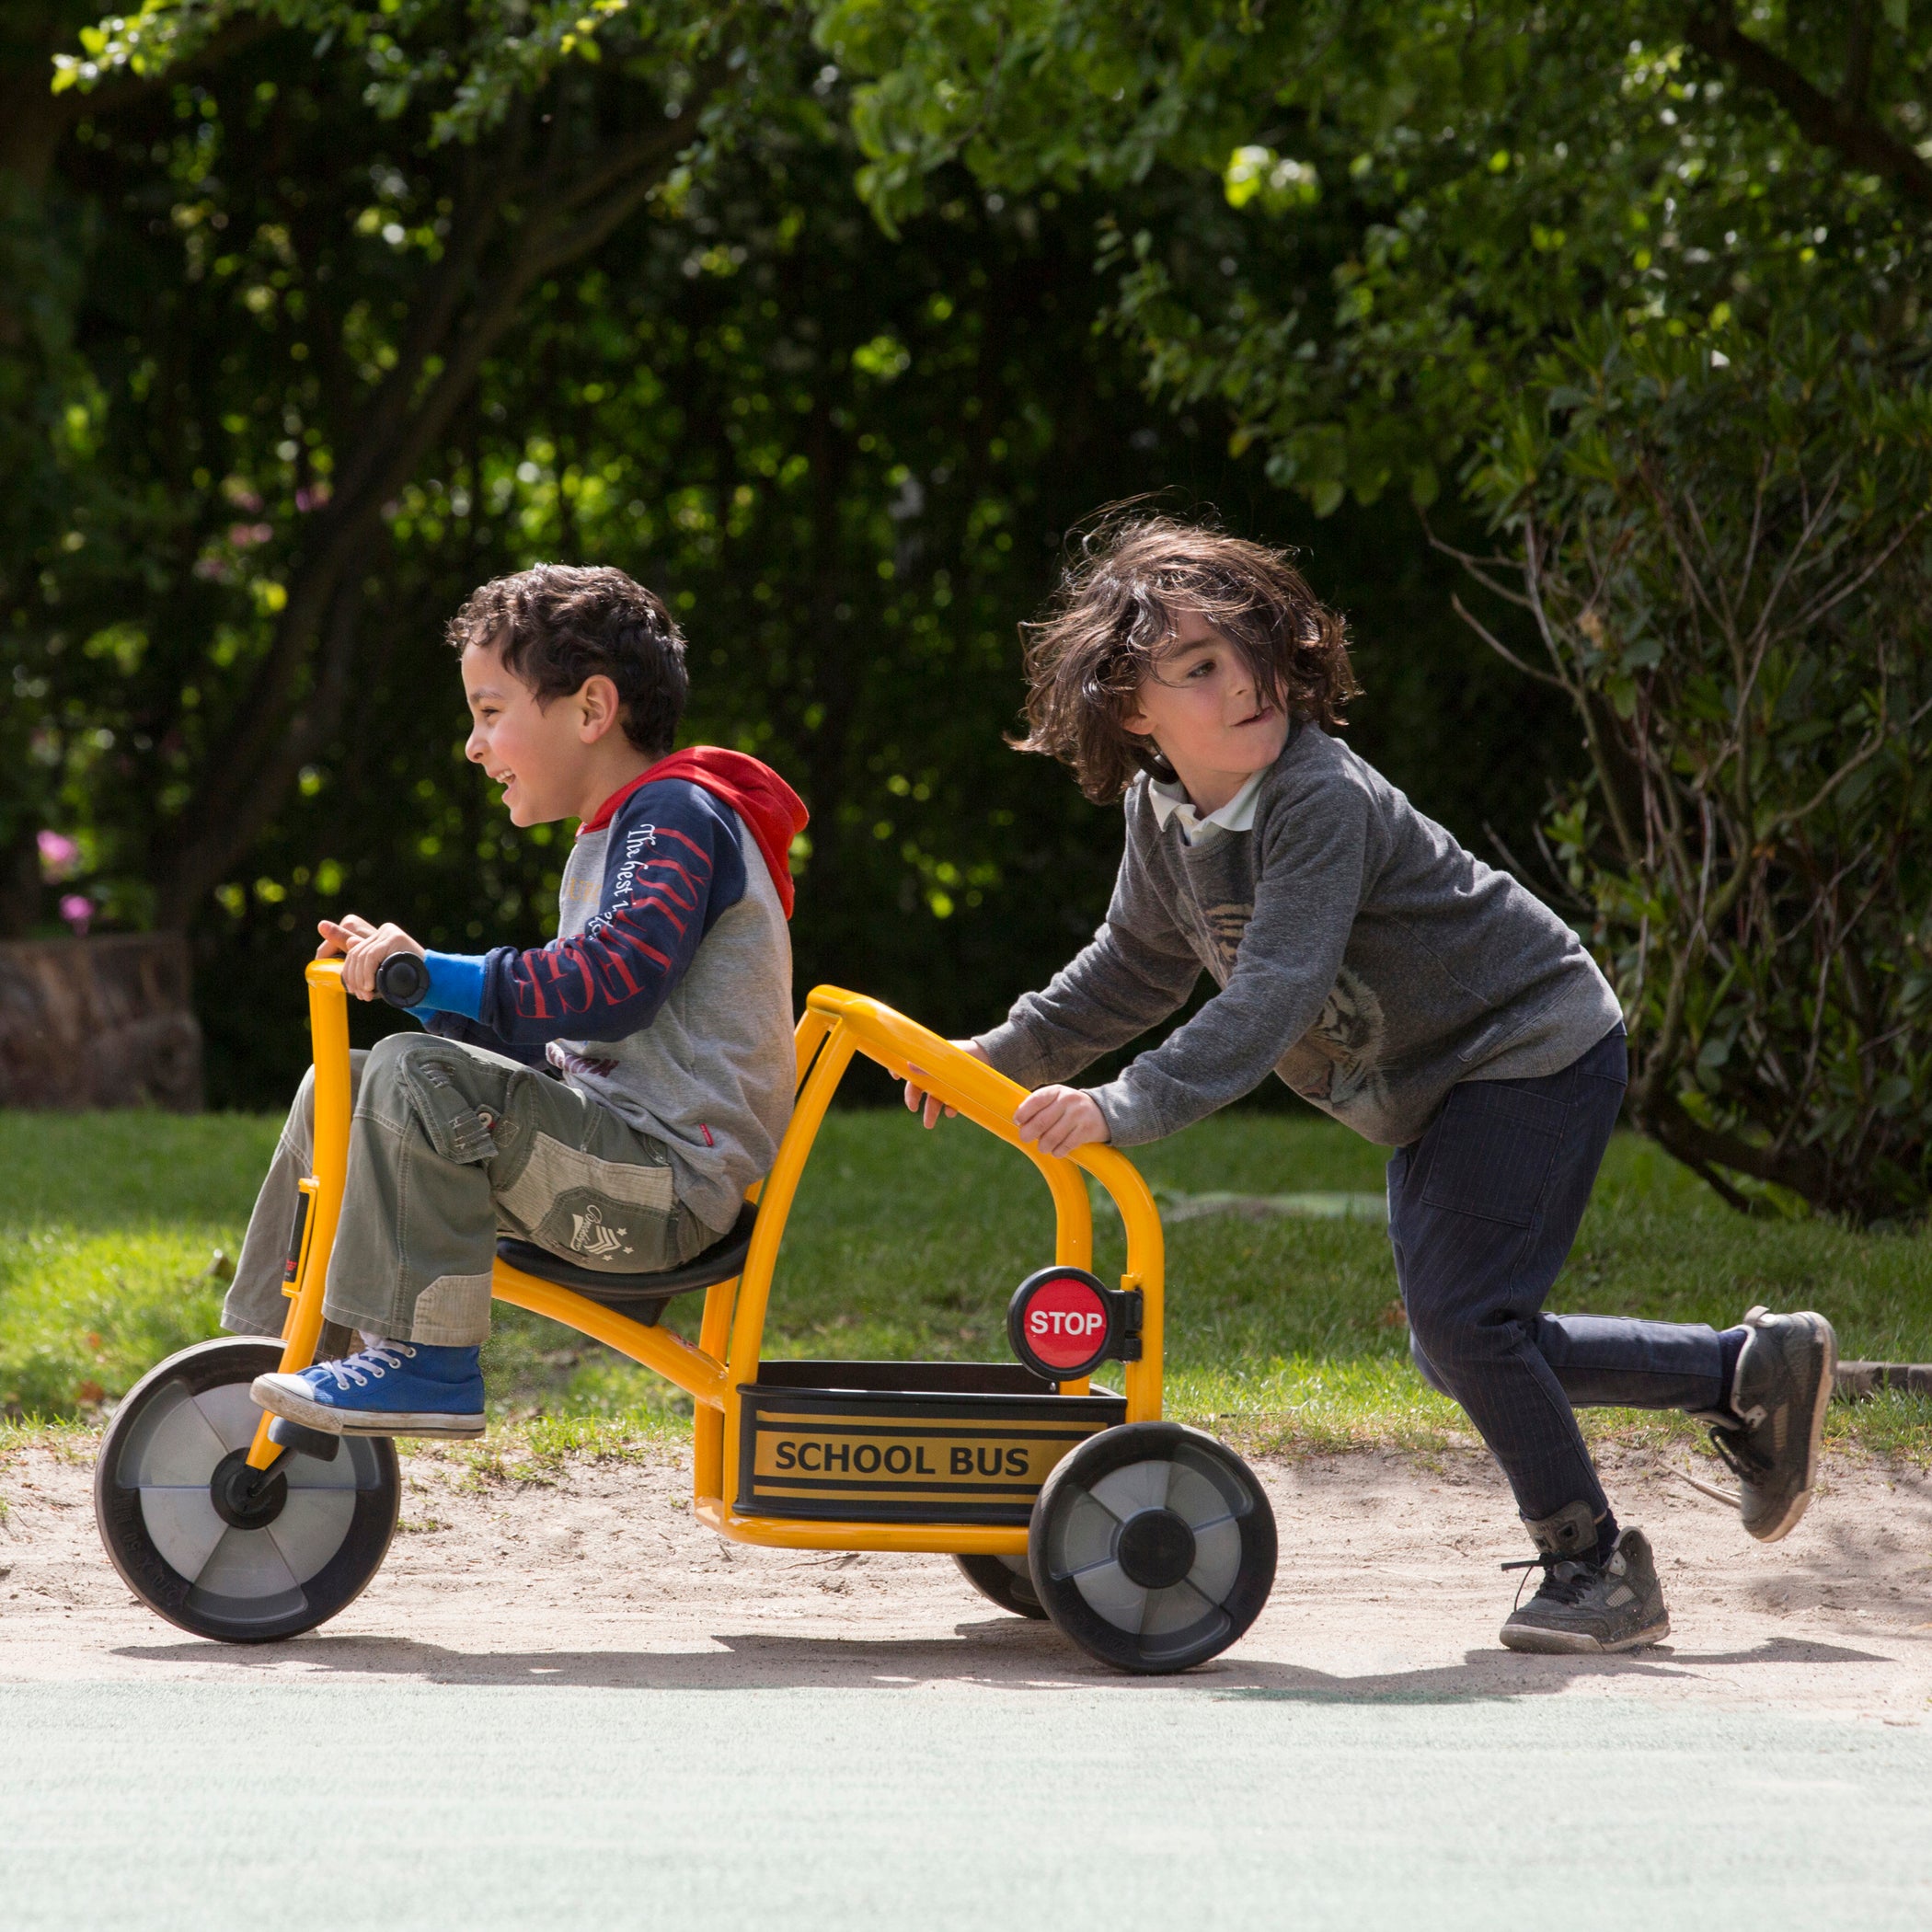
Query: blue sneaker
column 392, row 1388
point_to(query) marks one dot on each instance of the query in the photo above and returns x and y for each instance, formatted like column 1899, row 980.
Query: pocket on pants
column 599, row 1231
column 621, row 1215
column 1493, row 1145
column 457, row 1128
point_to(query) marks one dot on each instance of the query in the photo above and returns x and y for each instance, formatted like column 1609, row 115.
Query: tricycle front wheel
column 202, row 1541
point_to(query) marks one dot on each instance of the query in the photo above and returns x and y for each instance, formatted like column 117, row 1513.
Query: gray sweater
column 1361, row 954
column 666, row 994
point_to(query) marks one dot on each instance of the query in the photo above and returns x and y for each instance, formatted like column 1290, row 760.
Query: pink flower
column 76, row 909
column 312, row 496
column 60, row 856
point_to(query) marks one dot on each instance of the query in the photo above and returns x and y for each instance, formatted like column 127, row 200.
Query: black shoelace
column 1558, row 1588
column 1734, row 1450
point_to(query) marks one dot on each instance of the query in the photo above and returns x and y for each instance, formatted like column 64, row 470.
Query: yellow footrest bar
column 963, row 1539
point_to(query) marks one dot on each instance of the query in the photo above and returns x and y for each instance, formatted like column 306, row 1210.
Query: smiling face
column 1204, row 710
column 550, row 759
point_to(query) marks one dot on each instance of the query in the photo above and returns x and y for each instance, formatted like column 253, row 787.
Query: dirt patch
column 1388, row 1587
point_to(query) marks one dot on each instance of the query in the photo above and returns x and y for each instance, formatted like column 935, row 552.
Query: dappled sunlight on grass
column 84, row 1316
column 1307, row 1402
column 109, row 1223
column 136, row 1170
column 536, row 1448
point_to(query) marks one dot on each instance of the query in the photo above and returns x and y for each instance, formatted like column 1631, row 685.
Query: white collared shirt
column 1171, row 801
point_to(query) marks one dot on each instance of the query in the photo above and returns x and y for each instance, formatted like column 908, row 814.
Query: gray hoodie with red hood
column 666, row 994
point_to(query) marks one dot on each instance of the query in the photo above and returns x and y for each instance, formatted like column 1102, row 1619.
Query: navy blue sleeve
column 671, row 868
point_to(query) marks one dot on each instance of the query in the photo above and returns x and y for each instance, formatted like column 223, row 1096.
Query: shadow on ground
column 1005, row 1653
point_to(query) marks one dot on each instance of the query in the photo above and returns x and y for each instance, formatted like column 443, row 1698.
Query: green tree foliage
column 348, row 209
column 849, row 464
column 850, row 460
column 1643, row 283
column 47, row 420
column 1429, row 195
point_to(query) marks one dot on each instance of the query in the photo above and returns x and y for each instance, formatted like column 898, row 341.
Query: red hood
column 755, row 792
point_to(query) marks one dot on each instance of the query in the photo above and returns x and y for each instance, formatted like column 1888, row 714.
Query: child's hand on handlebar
column 915, row 1094
column 362, row 947
column 1059, row 1118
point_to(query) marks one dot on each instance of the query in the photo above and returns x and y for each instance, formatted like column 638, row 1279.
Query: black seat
column 641, row 1297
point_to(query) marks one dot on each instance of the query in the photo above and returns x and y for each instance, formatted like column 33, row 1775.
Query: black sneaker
column 1777, row 1398
column 1586, row 1607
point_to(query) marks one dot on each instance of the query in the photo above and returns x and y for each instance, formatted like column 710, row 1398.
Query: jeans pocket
column 1490, row 1150
column 618, row 1214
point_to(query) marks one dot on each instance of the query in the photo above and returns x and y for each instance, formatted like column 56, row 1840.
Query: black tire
column 1006, row 1579
column 305, row 1546
column 1152, row 1547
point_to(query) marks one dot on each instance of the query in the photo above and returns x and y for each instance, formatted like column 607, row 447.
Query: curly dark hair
column 556, row 625
column 1112, row 618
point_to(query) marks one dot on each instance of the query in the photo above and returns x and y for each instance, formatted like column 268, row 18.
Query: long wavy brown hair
column 1113, row 615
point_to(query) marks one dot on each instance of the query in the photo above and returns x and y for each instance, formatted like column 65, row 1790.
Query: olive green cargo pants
column 452, row 1146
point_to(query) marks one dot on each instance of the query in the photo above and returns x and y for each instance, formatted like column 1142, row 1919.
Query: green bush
column 1725, row 558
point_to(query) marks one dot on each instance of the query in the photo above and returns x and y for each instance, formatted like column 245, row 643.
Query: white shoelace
column 377, row 1360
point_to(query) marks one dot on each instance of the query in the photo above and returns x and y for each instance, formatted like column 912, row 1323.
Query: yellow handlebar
column 960, row 1080
column 989, row 1099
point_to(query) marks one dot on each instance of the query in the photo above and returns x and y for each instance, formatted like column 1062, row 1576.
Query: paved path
column 402, row 1806
column 569, row 1706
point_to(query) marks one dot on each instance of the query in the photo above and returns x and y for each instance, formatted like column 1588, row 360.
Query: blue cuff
column 456, row 985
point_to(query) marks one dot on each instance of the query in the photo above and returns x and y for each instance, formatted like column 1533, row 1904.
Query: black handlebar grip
column 402, row 979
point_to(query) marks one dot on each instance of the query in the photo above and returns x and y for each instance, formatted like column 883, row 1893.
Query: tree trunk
column 519, row 222
column 98, row 1023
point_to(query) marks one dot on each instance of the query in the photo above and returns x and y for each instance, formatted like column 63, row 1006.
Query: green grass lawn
column 1284, row 1332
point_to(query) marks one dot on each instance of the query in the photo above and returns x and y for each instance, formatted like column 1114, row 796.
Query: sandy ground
column 1389, row 1588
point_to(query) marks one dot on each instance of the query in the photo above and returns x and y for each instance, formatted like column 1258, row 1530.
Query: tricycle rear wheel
column 211, row 1548
column 1006, row 1579
column 1153, row 1547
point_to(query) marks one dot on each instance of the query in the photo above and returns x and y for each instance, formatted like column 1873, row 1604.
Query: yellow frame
column 835, row 1025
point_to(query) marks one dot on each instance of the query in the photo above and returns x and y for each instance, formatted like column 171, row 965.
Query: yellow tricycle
column 1150, row 1545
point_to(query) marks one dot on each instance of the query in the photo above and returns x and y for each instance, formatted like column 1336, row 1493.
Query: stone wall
column 103, row 1022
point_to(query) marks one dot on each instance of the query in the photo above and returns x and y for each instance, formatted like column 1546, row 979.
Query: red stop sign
column 1063, row 1324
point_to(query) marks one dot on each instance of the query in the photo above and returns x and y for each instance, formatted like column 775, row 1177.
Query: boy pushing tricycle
column 1403, row 987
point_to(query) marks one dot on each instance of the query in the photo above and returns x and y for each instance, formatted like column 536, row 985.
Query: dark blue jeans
column 1482, row 1210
